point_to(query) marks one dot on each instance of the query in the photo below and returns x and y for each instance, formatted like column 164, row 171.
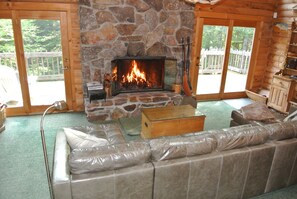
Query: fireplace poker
column 186, row 87
column 188, row 61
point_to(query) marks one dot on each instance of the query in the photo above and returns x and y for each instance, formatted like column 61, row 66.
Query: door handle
column 66, row 63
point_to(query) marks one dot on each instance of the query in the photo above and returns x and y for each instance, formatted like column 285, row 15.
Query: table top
column 171, row 112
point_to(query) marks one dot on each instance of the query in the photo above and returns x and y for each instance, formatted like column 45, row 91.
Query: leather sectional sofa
column 236, row 162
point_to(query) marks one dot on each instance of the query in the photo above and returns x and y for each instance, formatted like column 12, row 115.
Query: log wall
column 280, row 39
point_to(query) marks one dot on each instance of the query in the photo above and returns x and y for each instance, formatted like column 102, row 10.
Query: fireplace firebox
column 137, row 74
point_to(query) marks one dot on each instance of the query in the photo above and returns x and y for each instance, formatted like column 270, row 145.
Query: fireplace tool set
column 187, row 88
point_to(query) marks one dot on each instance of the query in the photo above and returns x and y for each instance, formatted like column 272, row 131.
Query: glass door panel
column 44, row 62
column 211, row 59
column 239, row 59
column 10, row 88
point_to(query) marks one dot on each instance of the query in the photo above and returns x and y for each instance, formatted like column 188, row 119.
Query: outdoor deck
column 46, row 84
column 209, row 83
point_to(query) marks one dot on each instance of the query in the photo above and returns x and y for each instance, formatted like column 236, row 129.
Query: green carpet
column 217, row 114
column 22, row 171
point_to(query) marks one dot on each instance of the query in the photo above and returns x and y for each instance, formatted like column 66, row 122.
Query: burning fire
column 134, row 75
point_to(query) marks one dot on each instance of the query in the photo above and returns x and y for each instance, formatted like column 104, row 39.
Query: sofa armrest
column 61, row 173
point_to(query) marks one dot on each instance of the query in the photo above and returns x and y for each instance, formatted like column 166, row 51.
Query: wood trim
column 208, row 97
column 254, row 56
column 233, row 95
column 66, row 58
column 226, row 57
column 238, row 21
column 50, row 15
column 223, row 96
column 68, row 19
column 214, row 21
column 20, row 54
column 196, row 53
column 228, row 16
column 35, row 6
column 6, row 14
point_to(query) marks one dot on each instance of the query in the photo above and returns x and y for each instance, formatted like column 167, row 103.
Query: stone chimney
column 115, row 28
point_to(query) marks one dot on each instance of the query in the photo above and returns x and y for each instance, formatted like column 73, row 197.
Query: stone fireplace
column 129, row 101
column 131, row 28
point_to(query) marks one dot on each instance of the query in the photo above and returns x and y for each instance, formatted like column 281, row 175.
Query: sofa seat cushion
column 257, row 111
column 238, row 137
column 238, row 118
column 109, row 157
column 166, row 148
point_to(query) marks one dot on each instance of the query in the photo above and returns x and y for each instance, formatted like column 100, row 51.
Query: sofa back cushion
column 79, row 139
column 109, row 157
column 238, row 137
column 166, row 148
column 282, row 131
column 94, row 135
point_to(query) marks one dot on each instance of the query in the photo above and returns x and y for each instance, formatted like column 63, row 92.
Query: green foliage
column 214, row 37
column 38, row 35
column 41, row 35
column 6, row 36
column 242, row 38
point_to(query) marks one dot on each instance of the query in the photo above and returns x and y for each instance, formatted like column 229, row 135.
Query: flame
column 115, row 74
column 134, row 75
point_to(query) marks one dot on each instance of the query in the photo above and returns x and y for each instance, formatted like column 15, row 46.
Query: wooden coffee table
column 170, row 121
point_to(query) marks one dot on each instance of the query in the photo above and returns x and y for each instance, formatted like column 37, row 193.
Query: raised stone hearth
column 129, row 104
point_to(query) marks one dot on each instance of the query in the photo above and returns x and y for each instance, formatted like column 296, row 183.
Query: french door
column 35, row 58
column 224, row 56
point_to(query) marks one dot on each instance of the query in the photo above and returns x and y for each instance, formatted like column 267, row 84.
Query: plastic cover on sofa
column 282, row 131
column 233, row 138
column 176, row 147
column 109, row 157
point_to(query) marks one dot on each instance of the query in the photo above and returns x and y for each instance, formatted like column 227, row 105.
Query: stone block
column 136, row 49
column 156, row 4
column 104, row 16
column 172, row 5
column 87, row 19
column 126, row 29
column 151, row 19
column 158, row 49
column 187, row 19
column 139, row 5
column 141, row 29
column 107, row 2
column 123, row 14
column 130, row 108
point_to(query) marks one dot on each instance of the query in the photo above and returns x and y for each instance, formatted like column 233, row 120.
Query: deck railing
column 37, row 63
column 51, row 63
column 211, row 61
